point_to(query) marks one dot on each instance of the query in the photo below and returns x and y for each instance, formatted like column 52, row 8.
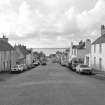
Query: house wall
column 98, row 55
column 13, row 58
column 87, row 60
column 7, row 60
column 80, row 53
column 71, row 53
column 28, row 59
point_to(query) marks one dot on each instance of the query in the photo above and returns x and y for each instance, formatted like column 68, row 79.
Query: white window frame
column 94, row 48
column 100, row 47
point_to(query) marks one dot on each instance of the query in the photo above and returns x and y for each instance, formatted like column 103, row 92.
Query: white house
column 80, row 50
column 7, row 55
column 98, row 51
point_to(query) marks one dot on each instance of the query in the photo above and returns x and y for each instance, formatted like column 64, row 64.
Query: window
column 75, row 52
column 100, row 63
column 87, row 60
column 72, row 51
column 95, row 61
column 100, row 47
column 94, row 48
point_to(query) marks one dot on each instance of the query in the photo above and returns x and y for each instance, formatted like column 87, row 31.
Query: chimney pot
column 102, row 30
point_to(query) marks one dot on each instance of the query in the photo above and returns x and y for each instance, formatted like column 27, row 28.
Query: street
column 51, row 84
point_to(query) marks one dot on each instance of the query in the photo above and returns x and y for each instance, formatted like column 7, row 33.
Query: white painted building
column 98, row 52
column 7, row 55
column 80, row 50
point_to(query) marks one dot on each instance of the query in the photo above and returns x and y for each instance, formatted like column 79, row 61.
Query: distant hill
column 49, row 51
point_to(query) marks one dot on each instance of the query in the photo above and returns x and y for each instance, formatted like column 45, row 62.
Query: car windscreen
column 84, row 66
column 77, row 61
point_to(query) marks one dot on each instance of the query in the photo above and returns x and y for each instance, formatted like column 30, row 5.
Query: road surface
column 51, row 85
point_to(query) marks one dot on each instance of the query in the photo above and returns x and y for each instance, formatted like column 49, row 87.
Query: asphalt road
column 51, row 85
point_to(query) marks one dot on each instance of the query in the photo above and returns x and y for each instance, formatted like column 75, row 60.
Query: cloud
column 13, row 22
column 87, row 22
column 46, row 21
column 24, row 23
column 92, row 18
column 4, row 2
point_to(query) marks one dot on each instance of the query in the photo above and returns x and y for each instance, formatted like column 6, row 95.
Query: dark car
column 43, row 62
column 36, row 63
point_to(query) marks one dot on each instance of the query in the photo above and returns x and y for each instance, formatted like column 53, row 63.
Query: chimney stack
column 4, row 39
column 102, row 30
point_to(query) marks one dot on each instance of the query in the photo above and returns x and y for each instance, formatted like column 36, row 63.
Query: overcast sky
column 51, row 23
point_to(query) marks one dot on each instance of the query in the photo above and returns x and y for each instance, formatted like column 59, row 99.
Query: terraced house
column 98, row 51
column 23, row 55
column 7, row 55
column 80, row 50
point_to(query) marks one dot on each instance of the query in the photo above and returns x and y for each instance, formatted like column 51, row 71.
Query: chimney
column 4, row 39
column 71, row 44
column 102, row 30
column 88, row 44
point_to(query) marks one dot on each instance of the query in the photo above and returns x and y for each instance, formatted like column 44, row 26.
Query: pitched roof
column 80, row 46
column 23, row 49
column 99, row 40
column 5, row 46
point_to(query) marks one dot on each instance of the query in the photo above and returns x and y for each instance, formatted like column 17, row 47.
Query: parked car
column 36, row 63
column 29, row 66
column 43, row 62
column 17, row 68
column 24, row 66
column 82, row 68
column 33, row 66
column 75, row 62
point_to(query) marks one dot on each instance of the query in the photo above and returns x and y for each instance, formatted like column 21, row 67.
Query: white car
column 82, row 68
column 17, row 68
column 24, row 66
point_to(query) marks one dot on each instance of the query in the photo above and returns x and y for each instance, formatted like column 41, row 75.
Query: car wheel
column 90, row 73
column 79, row 72
column 76, row 71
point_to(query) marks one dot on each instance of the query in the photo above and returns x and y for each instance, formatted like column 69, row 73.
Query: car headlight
column 80, row 69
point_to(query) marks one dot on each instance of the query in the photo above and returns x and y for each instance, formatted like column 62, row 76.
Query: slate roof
column 99, row 40
column 5, row 46
column 23, row 49
column 80, row 46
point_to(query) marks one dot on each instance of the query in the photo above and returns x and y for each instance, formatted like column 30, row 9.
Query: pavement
column 51, row 85
column 99, row 74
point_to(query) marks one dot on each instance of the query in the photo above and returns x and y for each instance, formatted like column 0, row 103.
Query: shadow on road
column 4, row 76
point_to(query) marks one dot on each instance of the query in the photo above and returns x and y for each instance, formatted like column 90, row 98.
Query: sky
column 51, row 23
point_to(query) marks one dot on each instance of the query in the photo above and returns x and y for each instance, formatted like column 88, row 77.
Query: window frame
column 100, row 47
column 100, row 63
column 94, row 48
column 95, row 61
